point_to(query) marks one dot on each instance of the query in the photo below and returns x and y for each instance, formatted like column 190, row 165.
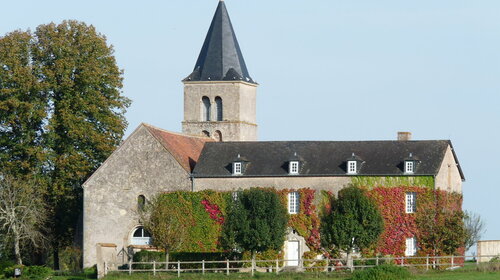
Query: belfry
column 220, row 95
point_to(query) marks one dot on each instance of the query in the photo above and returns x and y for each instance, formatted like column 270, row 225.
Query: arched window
column 218, row 105
column 218, row 135
column 206, row 133
column 141, row 237
column 141, row 202
column 205, row 110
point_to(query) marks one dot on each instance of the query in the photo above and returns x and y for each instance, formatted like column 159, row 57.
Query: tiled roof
column 185, row 149
column 321, row 158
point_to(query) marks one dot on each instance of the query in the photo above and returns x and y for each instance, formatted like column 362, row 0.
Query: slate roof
column 220, row 57
column 185, row 149
column 321, row 158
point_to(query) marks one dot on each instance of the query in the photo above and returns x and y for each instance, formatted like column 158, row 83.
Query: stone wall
column 487, row 248
column 448, row 177
column 239, row 109
column 140, row 166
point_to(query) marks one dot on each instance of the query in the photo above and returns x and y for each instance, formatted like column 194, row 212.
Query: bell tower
column 220, row 95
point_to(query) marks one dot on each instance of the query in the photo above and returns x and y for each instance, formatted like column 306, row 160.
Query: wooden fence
column 278, row 266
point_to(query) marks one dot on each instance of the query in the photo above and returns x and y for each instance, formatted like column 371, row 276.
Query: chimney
column 404, row 136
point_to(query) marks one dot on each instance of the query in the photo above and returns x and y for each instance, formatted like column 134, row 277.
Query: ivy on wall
column 392, row 181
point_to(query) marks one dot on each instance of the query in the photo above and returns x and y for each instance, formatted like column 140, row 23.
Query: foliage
column 474, row 228
column 382, row 272
column 61, row 113
column 400, row 225
column 199, row 215
column 392, row 181
column 306, row 222
column 159, row 257
column 8, row 272
column 354, row 222
column 37, row 272
column 271, row 255
column 22, row 214
column 256, row 221
column 317, row 264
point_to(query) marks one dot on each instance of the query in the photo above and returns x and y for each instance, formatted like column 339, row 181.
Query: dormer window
column 293, row 167
column 409, row 166
column 353, row 164
column 237, row 168
column 352, row 167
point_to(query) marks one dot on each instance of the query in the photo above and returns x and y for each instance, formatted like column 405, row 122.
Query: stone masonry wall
column 448, row 177
column 141, row 166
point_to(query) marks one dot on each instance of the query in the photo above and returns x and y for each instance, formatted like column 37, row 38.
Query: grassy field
column 433, row 275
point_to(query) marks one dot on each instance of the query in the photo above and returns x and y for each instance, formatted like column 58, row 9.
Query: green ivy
column 386, row 181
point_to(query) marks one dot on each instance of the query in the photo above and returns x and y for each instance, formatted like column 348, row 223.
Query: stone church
column 218, row 149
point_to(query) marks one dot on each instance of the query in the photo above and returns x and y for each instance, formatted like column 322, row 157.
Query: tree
column 64, row 114
column 474, row 228
column 22, row 214
column 167, row 224
column 441, row 228
column 256, row 221
column 354, row 222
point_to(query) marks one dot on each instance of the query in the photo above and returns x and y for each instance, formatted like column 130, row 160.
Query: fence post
column 376, row 261
column 227, row 267
column 427, row 262
column 203, row 267
column 253, row 266
column 277, row 267
column 402, row 261
column 154, row 268
column 452, row 261
column 178, row 269
column 130, row 267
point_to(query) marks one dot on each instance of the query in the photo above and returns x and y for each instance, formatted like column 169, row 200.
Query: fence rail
column 279, row 265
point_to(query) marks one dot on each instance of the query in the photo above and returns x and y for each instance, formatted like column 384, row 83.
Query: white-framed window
column 293, row 202
column 141, row 237
column 411, row 202
column 293, row 167
column 237, row 168
column 351, row 167
column 409, row 166
column 411, row 247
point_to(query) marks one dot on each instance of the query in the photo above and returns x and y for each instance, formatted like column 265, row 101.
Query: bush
column 382, row 272
column 37, row 272
column 6, row 263
column 159, row 257
column 8, row 272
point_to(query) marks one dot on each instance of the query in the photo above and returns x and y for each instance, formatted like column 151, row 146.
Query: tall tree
column 22, row 107
column 62, row 112
column 354, row 222
column 256, row 222
column 22, row 214
column 474, row 228
column 82, row 81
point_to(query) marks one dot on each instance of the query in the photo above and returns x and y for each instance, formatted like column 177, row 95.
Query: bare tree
column 22, row 214
column 474, row 228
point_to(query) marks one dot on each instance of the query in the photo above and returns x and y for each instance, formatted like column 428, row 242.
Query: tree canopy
column 256, row 221
column 62, row 113
column 354, row 222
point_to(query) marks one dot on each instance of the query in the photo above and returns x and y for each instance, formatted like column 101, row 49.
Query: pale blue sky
column 327, row 69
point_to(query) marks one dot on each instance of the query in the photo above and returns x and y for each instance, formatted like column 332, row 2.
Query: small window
column 218, row 135
column 218, row 105
column 237, row 168
column 411, row 247
column 141, row 202
column 206, row 133
column 352, row 167
column 409, row 167
column 293, row 167
column 141, row 237
column 293, row 202
column 205, row 112
column 411, row 202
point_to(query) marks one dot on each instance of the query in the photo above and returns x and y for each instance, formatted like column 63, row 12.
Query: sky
column 327, row 69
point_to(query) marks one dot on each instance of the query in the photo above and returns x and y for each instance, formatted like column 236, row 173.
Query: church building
column 218, row 149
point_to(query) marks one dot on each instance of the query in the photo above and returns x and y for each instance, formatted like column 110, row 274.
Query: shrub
column 37, row 272
column 6, row 263
column 382, row 272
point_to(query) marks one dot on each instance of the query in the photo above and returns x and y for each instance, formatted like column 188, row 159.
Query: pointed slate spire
column 220, row 58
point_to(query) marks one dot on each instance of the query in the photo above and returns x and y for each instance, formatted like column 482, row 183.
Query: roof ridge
column 177, row 133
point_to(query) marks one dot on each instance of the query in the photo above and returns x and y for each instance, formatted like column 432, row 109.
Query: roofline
column 456, row 160
column 330, row 141
column 115, row 151
column 221, row 82
column 311, row 175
